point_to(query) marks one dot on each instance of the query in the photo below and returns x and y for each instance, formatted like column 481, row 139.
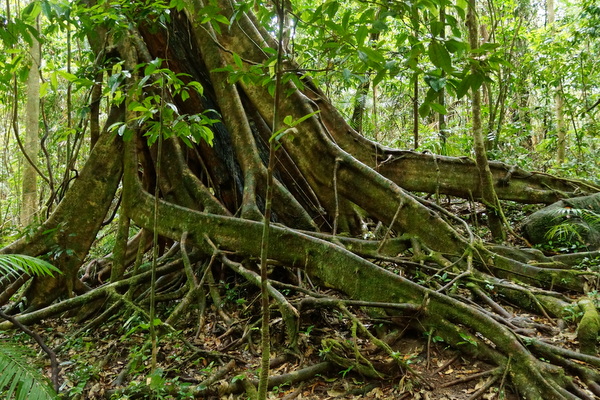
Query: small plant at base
column 570, row 234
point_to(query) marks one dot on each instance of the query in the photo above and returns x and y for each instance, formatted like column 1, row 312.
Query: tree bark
column 488, row 192
column 32, row 140
column 326, row 176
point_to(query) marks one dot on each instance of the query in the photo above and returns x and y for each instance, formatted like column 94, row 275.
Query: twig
column 53, row 362
column 446, row 364
column 485, row 387
column 389, row 230
column 488, row 300
column 471, row 377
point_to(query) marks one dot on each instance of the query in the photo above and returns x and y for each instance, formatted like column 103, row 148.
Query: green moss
column 589, row 327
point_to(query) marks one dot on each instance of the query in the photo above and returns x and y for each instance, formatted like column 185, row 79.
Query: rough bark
column 327, row 176
column 67, row 235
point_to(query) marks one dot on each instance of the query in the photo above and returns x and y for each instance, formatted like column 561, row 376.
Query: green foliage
column 18, row 378
column 14, row 264
column 467, row 339
column 576, row 224
column 154, row 114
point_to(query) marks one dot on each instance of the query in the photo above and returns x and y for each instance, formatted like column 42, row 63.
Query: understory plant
column 19, row 378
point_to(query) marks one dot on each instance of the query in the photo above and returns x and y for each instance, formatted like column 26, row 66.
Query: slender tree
column 32, row 140
column 489, row 197
column 559, row 103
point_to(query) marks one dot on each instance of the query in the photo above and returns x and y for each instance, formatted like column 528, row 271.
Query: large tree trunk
column 327, row 175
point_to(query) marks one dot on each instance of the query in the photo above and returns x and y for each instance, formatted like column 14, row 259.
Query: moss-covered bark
column 67, row 235
column 327, row 176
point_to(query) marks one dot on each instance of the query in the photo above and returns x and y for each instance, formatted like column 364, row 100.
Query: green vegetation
column 265, row 192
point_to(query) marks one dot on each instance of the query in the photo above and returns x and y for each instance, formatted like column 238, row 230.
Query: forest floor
column 110, row 358
column 93, row 362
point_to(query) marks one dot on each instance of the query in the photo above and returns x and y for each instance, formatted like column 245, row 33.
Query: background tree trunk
column 32, row 140
column 489, row 197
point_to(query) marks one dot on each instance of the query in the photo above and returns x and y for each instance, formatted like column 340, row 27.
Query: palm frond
column 14, row 264
column 19, row 379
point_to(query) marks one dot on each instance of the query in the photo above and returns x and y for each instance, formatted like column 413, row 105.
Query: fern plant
column 576, row 225
column 14, row 264
column 19, row 379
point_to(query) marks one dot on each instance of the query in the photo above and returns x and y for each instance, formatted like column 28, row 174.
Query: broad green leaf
column 438, row 108
column 372, row 54
column 436, row 27
column 379, row 77
column 44, row 89
column 332, row 8
column 66, row 75
column 424, row 110
column 439, row 56
column 484, row 48
column 31, row 11
column 456, row 45
column 361, row 35
column 346, row 19
column 237, row 60
column 463, row 87
column 434, row 82
column 184, row 95
column 476, row 81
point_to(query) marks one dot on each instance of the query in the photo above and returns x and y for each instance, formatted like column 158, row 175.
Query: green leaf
column 332, row 8
column 438, row 108
column 19, row 378
column 379, row 77
column 424, row 110
column 463, row 86
column 184, row 95
column 346, row 19
column 486, row 47
column 371, row 54
column 237, row 60
column 476, row 80
column 14, row 264
column 44, row 89
column 439, row 56
column 66, row 75
column 436, row 27
column 31, row 11
column 435, row 82
column 303, row 118
column 361, row 35
column 456, row 45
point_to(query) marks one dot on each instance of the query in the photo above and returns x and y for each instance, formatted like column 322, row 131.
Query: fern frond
column 14, row 264
column 19, row 379
column 567, row 232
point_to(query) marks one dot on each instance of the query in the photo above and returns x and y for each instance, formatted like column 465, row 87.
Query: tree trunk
column 559, row 103
column 561, row 134
column 32, row 140
column 488, row 192
column 360, row 101
column 328, row 184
